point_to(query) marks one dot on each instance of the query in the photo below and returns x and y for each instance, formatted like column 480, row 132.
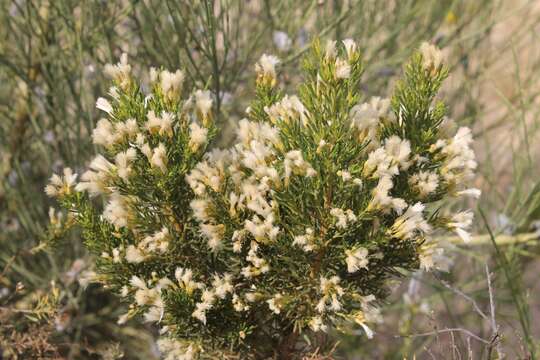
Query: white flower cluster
column 290, row 223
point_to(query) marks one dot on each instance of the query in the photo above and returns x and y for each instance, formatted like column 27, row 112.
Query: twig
column 494, row 326
column 500, row 240
column 465, row 296
column 451, row 330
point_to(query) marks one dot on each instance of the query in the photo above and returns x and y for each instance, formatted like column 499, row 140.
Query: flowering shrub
column 259, row 249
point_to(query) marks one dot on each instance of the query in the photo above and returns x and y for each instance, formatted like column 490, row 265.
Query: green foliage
column 294, row 230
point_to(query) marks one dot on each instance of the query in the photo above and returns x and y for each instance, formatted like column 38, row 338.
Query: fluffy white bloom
column 171, row 83
column 399, row 151
column 134, row 255
column 424, row 182
column 186, row 281
column 266, row 66
column 60, row 185
column 262, row 230
column 472, row 192
column 177, row 349
column 317, row 324
column 305, row 241
column 116, row 211
column 276, row 303
column 345, row 175
column 259, row 265
column 222, row 285
column 295, row 163
column 366, row 119
column 160, row 125
column 123, row 160
column 238, row 304
column 431, row 56
column 382, row 200
column 410, row 223
column 200, row 209
column 343, row 69
column 262, row 132
column 214, row 234
column 350, row 47
column 208, row 298
column 432, row 256
column 343, row 217
column 332, row 293
column 103, row 134
column 458, row 157
column 127, row 129
column 120, row 72
column 159, row 157
column 289, row 108
column 104, row 105
column 330, row 49
column 460, row 222
column 96, row 180
column 356, row 259
column 197, row 136
column 203, row 101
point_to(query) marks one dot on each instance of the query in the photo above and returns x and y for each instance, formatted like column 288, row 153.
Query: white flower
column 316, row 324
column 104, row 105
column 306, row 241
column 123, row 161
column 343, row 69
column 200, row 209
column 134, row 255
column 185, row 280
column 276, row 303
column 171, row 83
column 262, row 230
column 356, row 259
column 289, row 108
column 460, row 222
column 197, row 136
column 330, row 49
column 96, row 180
column 103, row 134
column 399, row 151
column 120, row 72
column 222, row 285
column 410, row 223
column 458, row 157
column 382, row 200
column 343, row 217
column 472, row 192
column 159, row 157
column 345, row 175
column 424, row 182
column 266, row 66
column 203, row 101
column 177, row 349
column 60, row 185
column 214, row 234
column 431, row 56
column 116, row 210
column 332, row 292
column 366, row 118
column 350, row 47
column 161, row 125
column 295, row 163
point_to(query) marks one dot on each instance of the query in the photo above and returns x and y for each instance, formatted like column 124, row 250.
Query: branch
column 501, row 240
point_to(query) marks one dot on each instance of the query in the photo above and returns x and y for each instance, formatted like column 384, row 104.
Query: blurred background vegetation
column 51, row 58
